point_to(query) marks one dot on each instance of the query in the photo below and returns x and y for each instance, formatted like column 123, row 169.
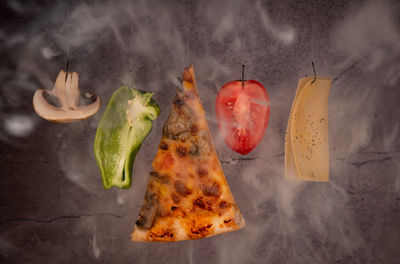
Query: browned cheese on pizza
column 187, row 195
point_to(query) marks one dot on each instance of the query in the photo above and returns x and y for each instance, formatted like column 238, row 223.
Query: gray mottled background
column 53, row 208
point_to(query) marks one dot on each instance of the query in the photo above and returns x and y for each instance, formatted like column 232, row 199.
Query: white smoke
column 19, row 125
column 285, row 34
column 95, row 247
column 366, row 26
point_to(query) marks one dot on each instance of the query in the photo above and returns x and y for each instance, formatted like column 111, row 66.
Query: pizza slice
column 187, row 195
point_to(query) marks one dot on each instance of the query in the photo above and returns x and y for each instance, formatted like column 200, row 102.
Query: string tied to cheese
column 315, row 73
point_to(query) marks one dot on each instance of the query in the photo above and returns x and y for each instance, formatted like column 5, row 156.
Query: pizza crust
column 176, row 228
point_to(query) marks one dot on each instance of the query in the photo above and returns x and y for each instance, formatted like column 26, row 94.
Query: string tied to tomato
column 242, row 110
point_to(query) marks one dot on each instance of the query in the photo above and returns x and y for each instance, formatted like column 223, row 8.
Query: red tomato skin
column 243, row 114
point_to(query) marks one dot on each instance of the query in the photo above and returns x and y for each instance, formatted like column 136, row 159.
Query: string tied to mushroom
column 64, row 106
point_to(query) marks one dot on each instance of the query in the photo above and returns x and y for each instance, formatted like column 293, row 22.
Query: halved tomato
column 242, row 109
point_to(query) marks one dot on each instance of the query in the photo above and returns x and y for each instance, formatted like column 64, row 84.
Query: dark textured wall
column 53, row 208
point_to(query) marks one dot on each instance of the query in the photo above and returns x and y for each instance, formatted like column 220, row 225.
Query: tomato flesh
column 242, row 110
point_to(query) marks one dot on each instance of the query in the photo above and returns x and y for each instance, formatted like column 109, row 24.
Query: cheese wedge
column 307, row 135
column 187, row 195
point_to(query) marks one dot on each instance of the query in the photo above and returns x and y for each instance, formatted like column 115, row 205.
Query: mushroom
column 67, row 93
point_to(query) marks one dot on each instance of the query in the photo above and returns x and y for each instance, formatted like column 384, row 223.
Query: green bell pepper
column 124, row 125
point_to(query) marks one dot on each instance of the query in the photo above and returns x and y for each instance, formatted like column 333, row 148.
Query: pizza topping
column 212, row 190
column 173, row 208
column 202, row 172
column 181, row 188
column 181, row 151
column 224, row 205
column 188, row 96
column 176, row 129
column 193, row 129
column 205, row 143
column 167, row 233
column 187, row 76
column 159, row 177
column 164, row 146
column 141, row 221
column 178, row 101
column 194, row 150
column 204, row 203
column 181, row 111
column 174, row 126
column 154, row 174
column 175, row 198
column 148, row 211
column 200, row 203
column 167, row 161
column 200, row 230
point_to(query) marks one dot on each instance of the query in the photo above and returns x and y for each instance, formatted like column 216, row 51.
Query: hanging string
column 346, row 70
column 312, row 42
column 353, row 65
column 130, row 54
column 242, row 44
column 68, row 36
column 187, row 31
column 313, row 31
column 315, row 73
column 131, row 51
column 242, row 80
